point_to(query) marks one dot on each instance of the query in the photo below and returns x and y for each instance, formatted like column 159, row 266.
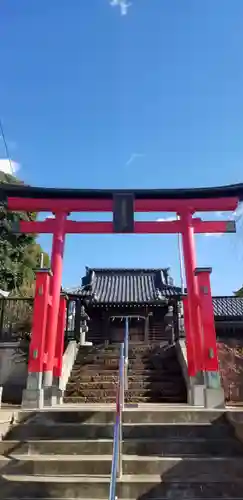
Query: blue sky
column 83, row 88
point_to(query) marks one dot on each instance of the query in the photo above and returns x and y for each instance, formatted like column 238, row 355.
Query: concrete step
column 194, row 469
column 105, row 431
column 154, row 414
column 170, row 469
column 56, row 465
column 138, row 487
column 140, row 447
column 183, row 447
column 80, row 417
column 176, row 416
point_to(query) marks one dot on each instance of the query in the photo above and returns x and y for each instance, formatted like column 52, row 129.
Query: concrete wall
column 13, row 370
column 68, row 360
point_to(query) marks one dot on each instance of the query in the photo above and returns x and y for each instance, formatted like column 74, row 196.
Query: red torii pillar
column 55, row 290
column 194, row 324
column 214, row 393
column 33, row 394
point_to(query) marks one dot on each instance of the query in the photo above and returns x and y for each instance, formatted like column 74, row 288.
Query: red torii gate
column 46, row 347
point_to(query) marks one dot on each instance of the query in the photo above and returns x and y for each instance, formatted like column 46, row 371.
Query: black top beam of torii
column 20, row 191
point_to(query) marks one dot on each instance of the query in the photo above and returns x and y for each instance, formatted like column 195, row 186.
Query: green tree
column 19, row 254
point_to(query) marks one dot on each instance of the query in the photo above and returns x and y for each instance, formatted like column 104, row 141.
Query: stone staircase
column 154, row 375
column 167, row 454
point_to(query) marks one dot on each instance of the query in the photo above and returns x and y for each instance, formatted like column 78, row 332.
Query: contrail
column 133, row 157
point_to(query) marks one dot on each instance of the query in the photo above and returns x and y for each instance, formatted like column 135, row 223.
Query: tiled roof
column 138, row 286
column 143, row 286
column 228, row 307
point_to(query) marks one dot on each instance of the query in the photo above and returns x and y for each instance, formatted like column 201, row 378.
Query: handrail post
column 126, row 354
column 121, row 376
column 116, row 465
column 120, row 409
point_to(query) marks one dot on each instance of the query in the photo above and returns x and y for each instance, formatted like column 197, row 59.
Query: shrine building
column 151, row 300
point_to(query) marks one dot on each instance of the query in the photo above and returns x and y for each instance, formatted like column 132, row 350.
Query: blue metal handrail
column 126, row 345
column 116, row 465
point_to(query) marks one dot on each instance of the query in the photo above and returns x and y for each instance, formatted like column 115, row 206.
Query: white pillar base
column 47, row 379
column 57, row 392
column 33, row 398
column 196, row 390
column 214, row 392
column 82, row 338
column 198, row 395
column 214, row 398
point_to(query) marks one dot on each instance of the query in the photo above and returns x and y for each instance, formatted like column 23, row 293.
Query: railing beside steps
column 116, row 465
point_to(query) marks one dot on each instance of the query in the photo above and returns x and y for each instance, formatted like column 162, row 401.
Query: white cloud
column 218, row 214
column 9, row 166
column 238, row 212
column 173, row 218
column 124, row 6
column 215, row 235
column 236, row 216
column 167, row 219
column 133, row 157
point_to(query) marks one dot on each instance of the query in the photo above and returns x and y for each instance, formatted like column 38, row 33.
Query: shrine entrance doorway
column 137, row 326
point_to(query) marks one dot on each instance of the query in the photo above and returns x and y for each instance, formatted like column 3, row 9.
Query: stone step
column 133, row 385
column 143, row 487
column 133, row 356
column 139, row 346
column 131, row 400
column 143, row 369
column 112, row 356
column 130, row 431
column 132, row 365
column 170, row 469
column 141, row 447
column 102, row 394
column 164, row 354
column 128, row 399
column 110, row 375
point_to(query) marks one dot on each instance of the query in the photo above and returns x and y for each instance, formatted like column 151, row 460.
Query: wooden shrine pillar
column 146, row 326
